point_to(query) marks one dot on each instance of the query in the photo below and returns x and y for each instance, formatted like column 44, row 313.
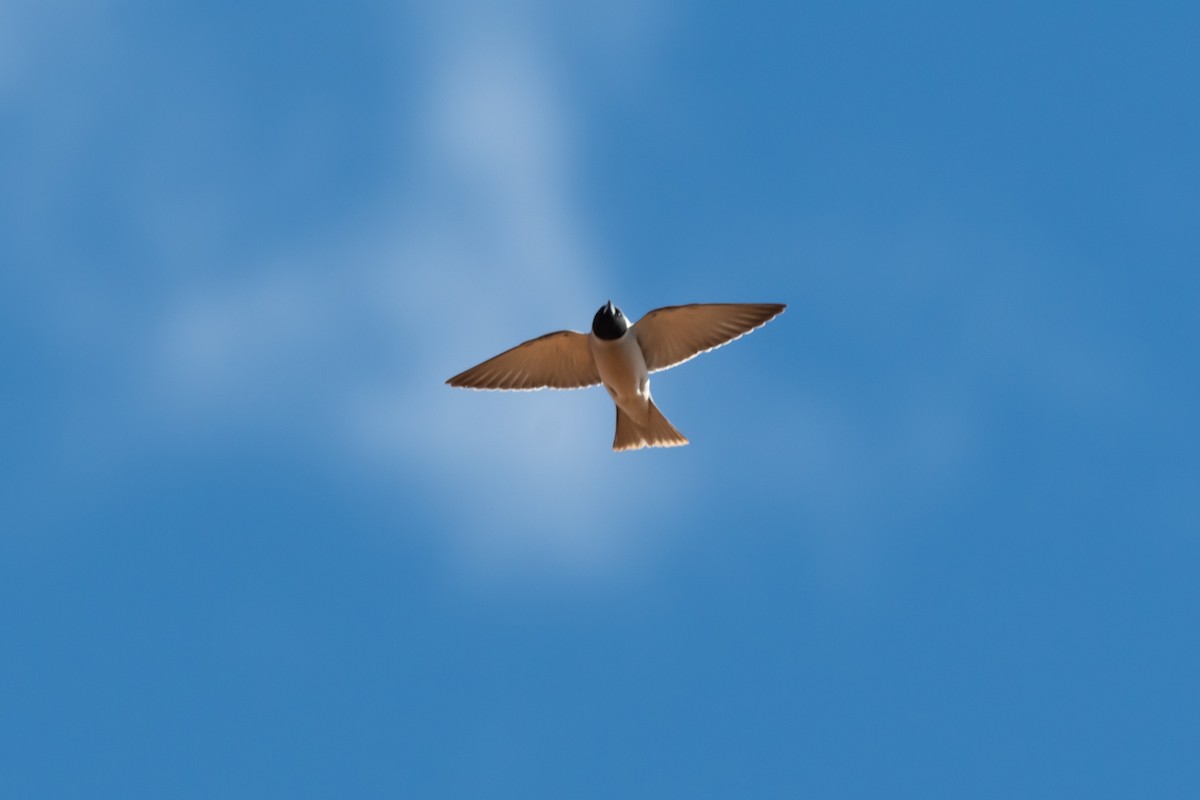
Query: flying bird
column 622, row 356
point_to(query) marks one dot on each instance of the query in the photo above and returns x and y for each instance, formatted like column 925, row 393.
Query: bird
column 621, row 357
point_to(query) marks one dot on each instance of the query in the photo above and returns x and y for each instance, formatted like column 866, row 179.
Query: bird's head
column 609, row 323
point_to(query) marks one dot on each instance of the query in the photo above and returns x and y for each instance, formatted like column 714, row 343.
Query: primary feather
column 559, row 360
column 674, row 334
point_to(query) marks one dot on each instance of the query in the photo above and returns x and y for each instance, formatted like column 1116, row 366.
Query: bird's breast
column 622, row 367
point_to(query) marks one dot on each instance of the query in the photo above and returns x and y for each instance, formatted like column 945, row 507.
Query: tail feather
column 657, row 432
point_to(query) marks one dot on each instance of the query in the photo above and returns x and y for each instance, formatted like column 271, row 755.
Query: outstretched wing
column 559, row 360
column 673, row 334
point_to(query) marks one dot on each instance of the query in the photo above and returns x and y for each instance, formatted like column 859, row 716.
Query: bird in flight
column 622, row 356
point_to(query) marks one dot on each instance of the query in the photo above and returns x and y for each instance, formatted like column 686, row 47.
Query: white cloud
column 483, row 247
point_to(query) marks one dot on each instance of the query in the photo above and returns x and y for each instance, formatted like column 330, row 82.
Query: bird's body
column 621, row 357
column 623, row 372
column 621, row 365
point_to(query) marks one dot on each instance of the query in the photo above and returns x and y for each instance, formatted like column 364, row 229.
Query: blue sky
column 936, row 532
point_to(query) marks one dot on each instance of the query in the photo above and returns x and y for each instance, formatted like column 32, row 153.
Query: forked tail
column 657, row 433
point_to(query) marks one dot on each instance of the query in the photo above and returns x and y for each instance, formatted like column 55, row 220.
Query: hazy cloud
column 481, row 247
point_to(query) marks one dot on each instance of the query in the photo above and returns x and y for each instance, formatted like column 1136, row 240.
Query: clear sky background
column 938, row 529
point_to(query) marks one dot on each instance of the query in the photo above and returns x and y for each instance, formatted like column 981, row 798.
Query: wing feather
column 559, row 360
column 674, row 334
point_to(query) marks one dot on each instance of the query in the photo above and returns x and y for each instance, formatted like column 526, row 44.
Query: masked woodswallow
column 621, row 357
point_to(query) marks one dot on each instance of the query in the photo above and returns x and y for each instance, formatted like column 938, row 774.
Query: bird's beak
column 608, row 309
